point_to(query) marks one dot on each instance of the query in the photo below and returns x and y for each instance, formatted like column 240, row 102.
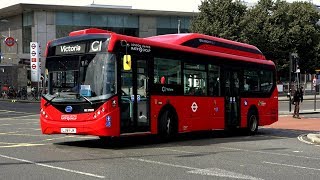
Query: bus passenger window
column 214, row 80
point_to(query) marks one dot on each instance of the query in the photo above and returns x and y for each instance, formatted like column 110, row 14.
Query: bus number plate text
column 69, row 130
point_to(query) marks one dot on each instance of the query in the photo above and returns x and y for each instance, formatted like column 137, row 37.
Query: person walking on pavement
column 297, row 98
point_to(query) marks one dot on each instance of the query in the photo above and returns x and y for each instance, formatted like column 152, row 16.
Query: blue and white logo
column 108, row 121
column 68, row 109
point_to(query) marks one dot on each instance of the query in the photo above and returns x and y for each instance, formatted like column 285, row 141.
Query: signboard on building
column 9, row 41
column 35, row 61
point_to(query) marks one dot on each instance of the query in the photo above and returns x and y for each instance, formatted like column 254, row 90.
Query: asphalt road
column 27, row 154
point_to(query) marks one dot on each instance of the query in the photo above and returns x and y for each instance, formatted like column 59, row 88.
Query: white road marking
column 222, row 173
column 288, row 165
column 53, row 167
column 21, row 145
column 15, row 132
column 30, row 115
column 17, row 117
column 6, row 111
column 263, row 152
column 188, row 152
column 19, row 123
column 300, row 138
column 208, row 172
column 29, row 135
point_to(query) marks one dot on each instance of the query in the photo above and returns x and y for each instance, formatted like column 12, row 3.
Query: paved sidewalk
column 307, row 111
column 304, row 124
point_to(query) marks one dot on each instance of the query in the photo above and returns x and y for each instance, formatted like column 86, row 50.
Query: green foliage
column 277, row 28
column 219, row 18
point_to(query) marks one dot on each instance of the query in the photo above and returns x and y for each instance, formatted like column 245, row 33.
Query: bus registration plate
column 69, row 130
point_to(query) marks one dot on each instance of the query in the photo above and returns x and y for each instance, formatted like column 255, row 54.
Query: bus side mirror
column 127, row 62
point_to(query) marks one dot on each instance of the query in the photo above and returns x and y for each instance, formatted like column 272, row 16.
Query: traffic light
column 294, row 63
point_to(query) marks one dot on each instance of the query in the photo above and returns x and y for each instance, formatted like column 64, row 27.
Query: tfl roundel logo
column 68, row 109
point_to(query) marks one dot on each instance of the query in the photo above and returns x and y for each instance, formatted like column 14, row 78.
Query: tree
column 219, row 18
column 280, row 28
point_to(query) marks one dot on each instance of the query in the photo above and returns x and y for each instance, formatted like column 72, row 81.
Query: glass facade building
column 71, row 21
column 65, row 22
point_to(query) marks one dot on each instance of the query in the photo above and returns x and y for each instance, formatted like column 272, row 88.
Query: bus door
column 232, row 98
column 134, row 97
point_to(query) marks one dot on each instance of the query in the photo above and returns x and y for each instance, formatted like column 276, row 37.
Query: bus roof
column 189, row 42
column 210, row 43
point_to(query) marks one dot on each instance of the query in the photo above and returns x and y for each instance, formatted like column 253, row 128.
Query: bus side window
column 214, row 80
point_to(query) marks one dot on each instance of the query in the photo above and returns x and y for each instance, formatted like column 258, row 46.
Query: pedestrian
column 297, row 98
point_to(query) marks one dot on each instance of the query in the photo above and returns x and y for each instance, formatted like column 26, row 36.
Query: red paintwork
column 85, row 123
column 267, row 109
column 204, row 118
column 179, row 39
column 89, row 31
column 209, row 114
column 47, row 48
column 227, row 57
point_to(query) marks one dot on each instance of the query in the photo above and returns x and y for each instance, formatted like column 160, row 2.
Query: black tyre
column 253, row 123
column 167, row 124
column 106, row 140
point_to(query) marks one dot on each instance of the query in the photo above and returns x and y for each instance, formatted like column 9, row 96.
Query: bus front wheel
column 166, row 124
column 253, row 123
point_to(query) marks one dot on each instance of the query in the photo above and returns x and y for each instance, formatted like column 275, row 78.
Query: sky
column 165, row 5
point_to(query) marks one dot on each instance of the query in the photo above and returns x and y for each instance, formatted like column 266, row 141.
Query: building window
column 169, row 25
column 26, row 31
column 67, row 22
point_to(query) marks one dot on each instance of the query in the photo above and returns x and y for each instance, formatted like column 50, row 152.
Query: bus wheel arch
column 167, row 121
column 252, row 120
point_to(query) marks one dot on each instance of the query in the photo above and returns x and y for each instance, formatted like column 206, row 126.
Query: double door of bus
column 232, row 98
column 134, row 97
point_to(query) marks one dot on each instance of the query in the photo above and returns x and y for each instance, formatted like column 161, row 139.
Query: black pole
column 315, row 98
column 289, row 90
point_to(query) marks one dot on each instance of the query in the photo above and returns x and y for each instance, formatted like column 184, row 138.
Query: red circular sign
column 9, row 41
column 34, row 66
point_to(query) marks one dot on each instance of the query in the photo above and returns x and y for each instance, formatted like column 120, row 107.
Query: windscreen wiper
column 49, row 101
column 85, row 98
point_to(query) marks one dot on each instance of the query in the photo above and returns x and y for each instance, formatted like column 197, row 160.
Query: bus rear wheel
column 166, row 125
column 253, row 123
